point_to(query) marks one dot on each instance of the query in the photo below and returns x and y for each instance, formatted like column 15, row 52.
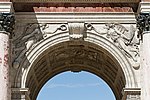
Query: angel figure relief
column 126, row 40
column 31, row 35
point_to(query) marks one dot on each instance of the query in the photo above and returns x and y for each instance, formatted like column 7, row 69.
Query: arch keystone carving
column 77, row 30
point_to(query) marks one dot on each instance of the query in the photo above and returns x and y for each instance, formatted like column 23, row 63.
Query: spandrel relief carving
column 125, row 39
column 29, row 35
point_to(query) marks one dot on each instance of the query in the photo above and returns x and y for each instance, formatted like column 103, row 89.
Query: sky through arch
column 76, row 86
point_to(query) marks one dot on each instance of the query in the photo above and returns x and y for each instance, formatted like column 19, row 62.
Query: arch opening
column 76, row 56
column 76, row 86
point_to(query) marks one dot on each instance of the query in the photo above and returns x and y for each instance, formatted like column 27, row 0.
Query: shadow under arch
column 95, row 54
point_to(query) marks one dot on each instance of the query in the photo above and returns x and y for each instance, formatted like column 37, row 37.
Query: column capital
column 7, row 22
column 143, row 23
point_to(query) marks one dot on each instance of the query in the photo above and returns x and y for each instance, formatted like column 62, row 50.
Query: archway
column 75, row 56
column 57, row 54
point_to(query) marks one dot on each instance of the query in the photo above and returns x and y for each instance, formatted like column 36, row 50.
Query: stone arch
column 94, row 43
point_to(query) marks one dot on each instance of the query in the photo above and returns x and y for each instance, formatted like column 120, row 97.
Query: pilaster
column 6, row 28
column 143, row 24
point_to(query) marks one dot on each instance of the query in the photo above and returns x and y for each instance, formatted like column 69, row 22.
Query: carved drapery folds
column 143, row 23
column 7, row 21
column 124, row 38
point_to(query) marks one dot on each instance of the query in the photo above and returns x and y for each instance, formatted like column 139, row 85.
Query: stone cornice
column 62, row 17
column 79, row 1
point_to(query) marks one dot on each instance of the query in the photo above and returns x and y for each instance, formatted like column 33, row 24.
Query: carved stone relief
column 73, row 55
column 28, row 36
column 77, row 30
column 125, row 39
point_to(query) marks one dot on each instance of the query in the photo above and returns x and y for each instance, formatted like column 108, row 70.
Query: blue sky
column 76, row 86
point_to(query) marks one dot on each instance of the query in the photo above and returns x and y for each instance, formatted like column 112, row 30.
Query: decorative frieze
column 124, row 38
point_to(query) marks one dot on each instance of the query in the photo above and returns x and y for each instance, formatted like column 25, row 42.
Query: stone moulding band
column 82, row 1
column 28, row 17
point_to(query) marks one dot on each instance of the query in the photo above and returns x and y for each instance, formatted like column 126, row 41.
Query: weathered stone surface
column 4, row 66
